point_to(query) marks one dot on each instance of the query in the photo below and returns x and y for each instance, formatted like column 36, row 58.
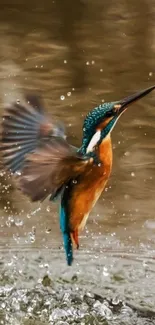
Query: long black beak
column 124, row 103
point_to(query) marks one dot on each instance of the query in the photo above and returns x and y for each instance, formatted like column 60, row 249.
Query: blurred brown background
column 77, row 54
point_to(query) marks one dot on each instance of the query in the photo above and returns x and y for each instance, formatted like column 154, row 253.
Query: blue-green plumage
column 64, row 226
column 92, row 120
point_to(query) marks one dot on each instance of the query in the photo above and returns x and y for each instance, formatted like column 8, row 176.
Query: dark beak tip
column 131, row 99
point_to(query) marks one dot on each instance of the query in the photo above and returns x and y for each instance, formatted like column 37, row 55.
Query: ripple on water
column 40, row 296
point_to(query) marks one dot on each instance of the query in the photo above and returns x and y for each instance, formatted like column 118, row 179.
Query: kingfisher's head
column 100, row 121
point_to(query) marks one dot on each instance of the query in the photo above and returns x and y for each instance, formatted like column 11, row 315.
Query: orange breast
column 90, row 186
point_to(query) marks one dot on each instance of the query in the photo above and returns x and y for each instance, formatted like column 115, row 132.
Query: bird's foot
column 75, row 238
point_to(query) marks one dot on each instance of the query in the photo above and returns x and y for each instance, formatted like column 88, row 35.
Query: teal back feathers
column 93, row 119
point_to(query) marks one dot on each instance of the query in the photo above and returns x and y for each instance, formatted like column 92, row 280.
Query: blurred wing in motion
column 24, row 128
column 49, row 168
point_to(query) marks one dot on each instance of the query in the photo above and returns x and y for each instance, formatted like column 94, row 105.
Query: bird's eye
column 109, row 113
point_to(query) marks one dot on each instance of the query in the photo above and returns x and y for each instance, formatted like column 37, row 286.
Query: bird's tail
column 24, row 126
column 64, row 226
column 70, row 238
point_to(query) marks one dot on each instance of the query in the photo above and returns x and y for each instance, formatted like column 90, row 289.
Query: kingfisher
column 36, row 152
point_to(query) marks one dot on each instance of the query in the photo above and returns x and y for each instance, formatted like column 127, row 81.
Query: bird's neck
column 97, row 139
column 88, row 141
column 105, row 152
column 85, row 142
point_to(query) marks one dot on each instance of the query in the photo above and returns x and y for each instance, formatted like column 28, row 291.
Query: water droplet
column 127, row 153
column 16, row 237
column 31, row 235
column 18, row 101
column 150, row 74
column 58, row 313
column 10, row 263
column 74, row 181
column 103, row 309
column 48, row 230
column 35, row 211
column 126, row 196
column 19, row 222
column 87, row 63
column 62, row 97
column 18, row 172
column 105, row 271
column 3, row 305
column 30, row 309
column 48, row 209
column 101, row 70
column 133, row 174
column 10, row 221
column 69, row 93
column 92, row 62
column 116, row 301
column 65, row 61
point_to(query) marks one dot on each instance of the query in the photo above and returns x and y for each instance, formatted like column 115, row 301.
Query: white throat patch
column 93, row 141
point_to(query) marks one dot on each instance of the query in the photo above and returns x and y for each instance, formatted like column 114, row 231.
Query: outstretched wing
column 49, row 168
column 24, row 128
